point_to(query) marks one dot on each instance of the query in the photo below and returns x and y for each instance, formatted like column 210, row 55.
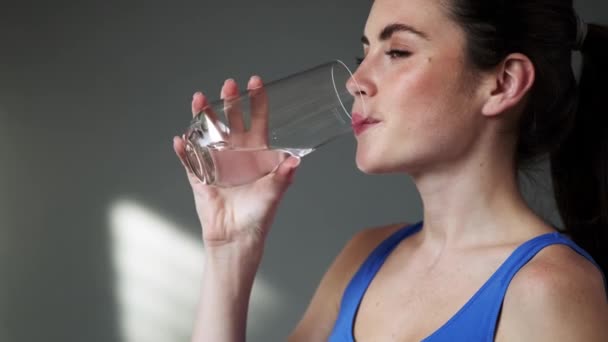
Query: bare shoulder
column 319, row 317
column 558, row 296
column 559, row 273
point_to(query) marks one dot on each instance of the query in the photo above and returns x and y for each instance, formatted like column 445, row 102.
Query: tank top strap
column 354, row 292
column 476, row 320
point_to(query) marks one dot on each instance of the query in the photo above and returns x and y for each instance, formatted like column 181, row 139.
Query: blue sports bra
column 476, row 320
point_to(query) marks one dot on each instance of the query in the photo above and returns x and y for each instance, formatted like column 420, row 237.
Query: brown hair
column 563, row 119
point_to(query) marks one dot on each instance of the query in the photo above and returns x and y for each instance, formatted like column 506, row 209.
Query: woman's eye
column 393, row 54
column 398, row 53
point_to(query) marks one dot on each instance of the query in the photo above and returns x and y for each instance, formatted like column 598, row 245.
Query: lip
column 361, row 123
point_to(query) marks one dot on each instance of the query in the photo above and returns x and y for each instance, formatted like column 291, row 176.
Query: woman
column 462, row 93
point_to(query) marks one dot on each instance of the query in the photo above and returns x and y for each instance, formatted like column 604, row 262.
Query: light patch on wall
column 158, row 269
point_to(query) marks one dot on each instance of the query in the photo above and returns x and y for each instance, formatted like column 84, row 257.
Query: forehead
column 428, row 16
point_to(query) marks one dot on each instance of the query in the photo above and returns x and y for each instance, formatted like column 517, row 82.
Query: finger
column 201, row 104
column 259, row 110
column 232, row 106
column 198, row 102
column 180, row 150
column 279, row 180
column 285, row 171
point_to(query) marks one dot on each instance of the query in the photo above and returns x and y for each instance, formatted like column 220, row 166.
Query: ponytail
column 579, row 166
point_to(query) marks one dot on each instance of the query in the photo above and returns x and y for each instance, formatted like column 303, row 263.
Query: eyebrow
column 390, row 29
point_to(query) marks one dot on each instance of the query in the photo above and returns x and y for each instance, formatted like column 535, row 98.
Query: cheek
column 426, row 97
column 430, row 112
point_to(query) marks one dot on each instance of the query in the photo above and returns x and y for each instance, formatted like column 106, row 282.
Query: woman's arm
column 235, row 221
column 226, row 289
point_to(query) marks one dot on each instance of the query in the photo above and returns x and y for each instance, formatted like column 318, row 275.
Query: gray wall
column 91, row 94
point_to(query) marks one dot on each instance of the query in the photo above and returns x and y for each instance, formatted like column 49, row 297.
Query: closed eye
column 393, row 54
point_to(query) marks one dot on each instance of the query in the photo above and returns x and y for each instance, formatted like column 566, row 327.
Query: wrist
column 236, row 249
column 230, row 276
column 233, row 259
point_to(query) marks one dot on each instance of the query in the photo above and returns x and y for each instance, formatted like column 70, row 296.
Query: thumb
column 286, row 169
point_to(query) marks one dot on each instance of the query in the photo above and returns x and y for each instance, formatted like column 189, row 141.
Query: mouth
column 361, row 123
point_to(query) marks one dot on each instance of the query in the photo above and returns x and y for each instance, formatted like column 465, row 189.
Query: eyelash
column 393, row 54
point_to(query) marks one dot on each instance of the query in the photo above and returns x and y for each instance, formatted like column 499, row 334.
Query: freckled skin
column 427, row 102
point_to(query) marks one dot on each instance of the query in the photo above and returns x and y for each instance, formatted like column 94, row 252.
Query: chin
column 373, row 166
column 382, row 163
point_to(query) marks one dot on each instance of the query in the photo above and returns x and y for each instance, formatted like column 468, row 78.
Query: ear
column 509, row 85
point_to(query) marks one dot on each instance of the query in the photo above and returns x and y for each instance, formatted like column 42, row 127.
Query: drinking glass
column 291, row 116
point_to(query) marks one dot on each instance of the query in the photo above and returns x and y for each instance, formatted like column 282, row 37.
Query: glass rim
column 352, row 76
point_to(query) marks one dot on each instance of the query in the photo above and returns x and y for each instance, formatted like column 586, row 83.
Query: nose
column 360, row 85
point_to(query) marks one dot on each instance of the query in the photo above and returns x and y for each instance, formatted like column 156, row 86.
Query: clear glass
column 292, row 116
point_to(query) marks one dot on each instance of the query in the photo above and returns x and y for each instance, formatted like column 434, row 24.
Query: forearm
column 226, row 289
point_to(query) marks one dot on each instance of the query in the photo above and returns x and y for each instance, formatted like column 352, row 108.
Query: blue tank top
column 476, row 320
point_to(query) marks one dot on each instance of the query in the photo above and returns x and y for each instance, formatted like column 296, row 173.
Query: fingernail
column 196, row 94
column 222, row 93
column 254, row 82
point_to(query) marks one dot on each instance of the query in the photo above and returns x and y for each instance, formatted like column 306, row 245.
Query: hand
column 239, row 217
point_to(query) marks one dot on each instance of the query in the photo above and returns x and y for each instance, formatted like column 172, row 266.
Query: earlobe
column 512, row 81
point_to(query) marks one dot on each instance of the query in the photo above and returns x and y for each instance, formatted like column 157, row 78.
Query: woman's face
column 416, row 83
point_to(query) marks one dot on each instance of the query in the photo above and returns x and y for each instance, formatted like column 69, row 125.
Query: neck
column 475, row 202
